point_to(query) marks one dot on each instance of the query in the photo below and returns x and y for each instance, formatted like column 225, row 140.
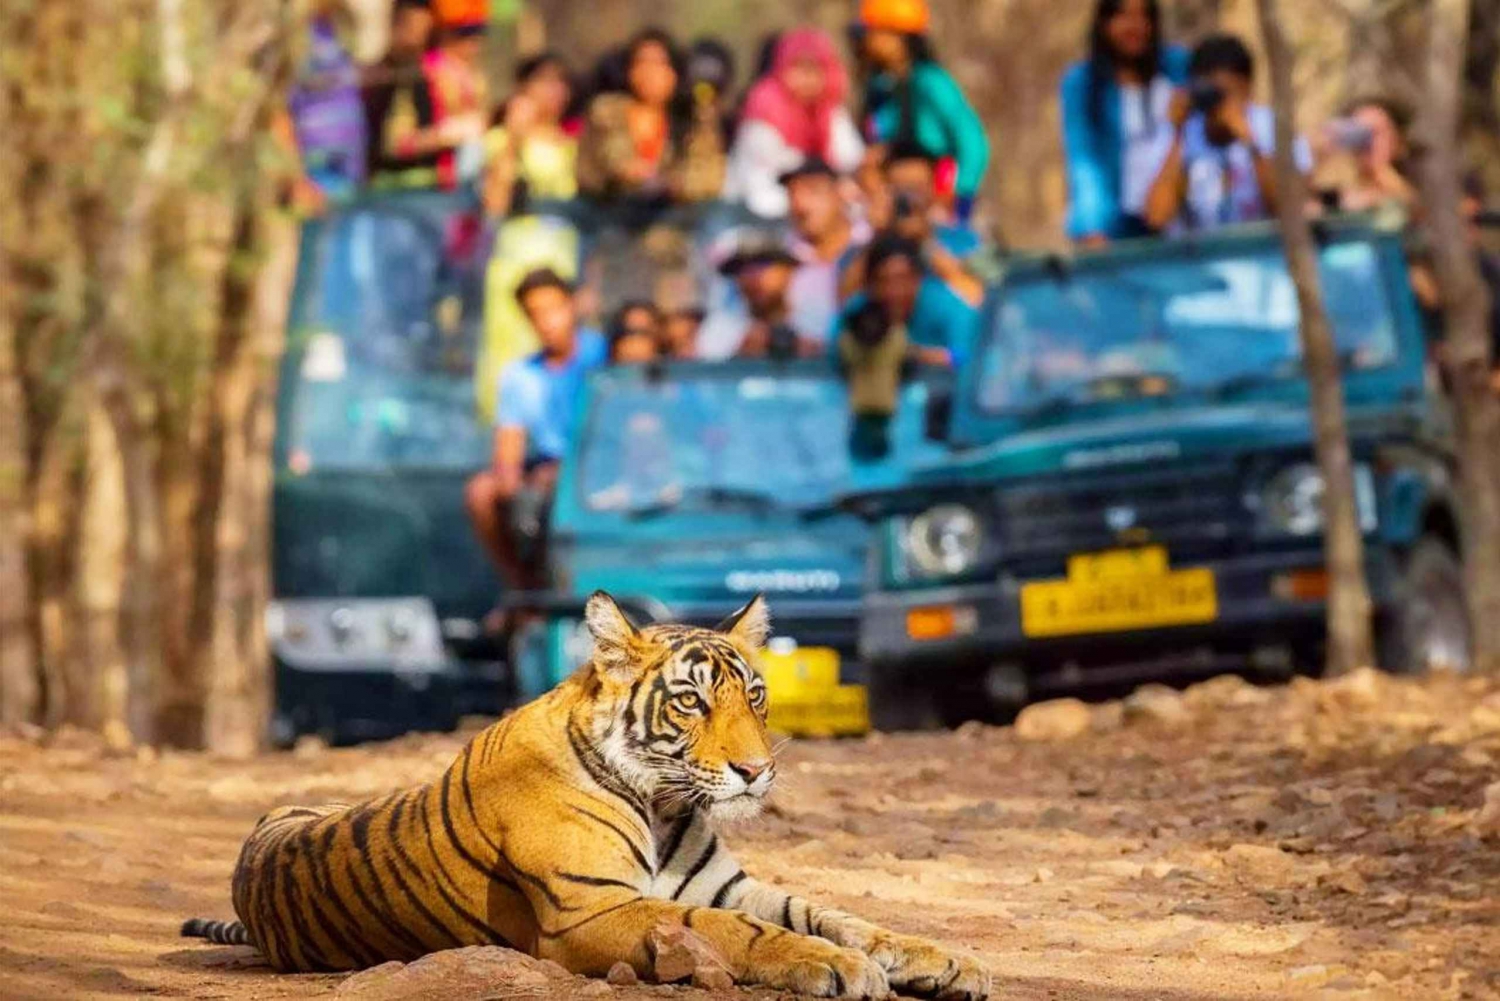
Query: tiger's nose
column 750, row 770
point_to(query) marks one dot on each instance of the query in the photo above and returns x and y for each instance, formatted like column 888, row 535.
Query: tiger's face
column 682, row 711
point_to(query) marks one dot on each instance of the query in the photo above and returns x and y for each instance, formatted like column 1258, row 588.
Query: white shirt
column 760, row 156
column 1143, row 110
column 1221, row 186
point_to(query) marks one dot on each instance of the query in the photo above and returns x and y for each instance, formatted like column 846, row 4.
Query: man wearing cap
column 758, row 323
column 822, row 235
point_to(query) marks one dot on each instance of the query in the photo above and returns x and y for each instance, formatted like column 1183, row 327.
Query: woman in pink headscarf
column 794, row 113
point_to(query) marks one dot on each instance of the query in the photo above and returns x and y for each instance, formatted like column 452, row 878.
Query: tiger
column 573, row 828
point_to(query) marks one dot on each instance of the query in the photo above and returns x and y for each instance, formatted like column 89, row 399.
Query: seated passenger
column 460, row 95
column 758, row 323
column 680, row 333
column 937, row 324
column 794, row 113
column 538, row 401
column 911, row 98
column 905, row 204
column 530, row 150
column 645, row 143
column 403, row 147
column 1364, row 159
column 823, row 235
column 635, row 334
column 1217, row 148
column 324, row 126
column 1112, row 103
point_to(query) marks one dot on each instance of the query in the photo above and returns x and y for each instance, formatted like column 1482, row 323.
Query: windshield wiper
column 756, row 501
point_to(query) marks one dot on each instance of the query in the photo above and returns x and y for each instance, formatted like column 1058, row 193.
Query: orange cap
column 458, row 13
column 910, row 17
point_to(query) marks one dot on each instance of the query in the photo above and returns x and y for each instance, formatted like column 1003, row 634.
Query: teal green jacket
column 944, row 122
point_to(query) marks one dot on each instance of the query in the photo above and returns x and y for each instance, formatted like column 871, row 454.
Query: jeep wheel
column 1428, row 626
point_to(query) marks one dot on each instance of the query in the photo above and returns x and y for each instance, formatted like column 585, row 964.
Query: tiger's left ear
column 751, row 625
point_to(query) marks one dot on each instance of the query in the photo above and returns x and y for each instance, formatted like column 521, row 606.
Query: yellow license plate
column 807, row 697
column 1118, row 592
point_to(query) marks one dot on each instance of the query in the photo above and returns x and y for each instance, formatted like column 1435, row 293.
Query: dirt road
column 1317, row 840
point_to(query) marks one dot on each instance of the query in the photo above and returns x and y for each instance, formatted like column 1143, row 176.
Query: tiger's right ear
column 614, row 635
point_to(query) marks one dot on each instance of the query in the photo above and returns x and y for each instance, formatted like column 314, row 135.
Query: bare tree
column 1466, row 350
column 143, row 273
column 1350, row 638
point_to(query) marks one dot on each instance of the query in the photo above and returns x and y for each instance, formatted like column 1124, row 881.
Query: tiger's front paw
column 924, row 969
column 824, row 970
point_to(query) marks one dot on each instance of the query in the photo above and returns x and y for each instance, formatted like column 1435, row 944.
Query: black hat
column 813, row 166
column 753, row 249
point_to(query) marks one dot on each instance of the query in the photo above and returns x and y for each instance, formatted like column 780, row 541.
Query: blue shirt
column 940, row 319
column 543, row 400
column 1099, row 155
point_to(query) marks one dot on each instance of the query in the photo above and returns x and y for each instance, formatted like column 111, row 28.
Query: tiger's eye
column 688, row 702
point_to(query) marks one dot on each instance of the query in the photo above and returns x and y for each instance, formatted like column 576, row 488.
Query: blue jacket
column 1093, row 156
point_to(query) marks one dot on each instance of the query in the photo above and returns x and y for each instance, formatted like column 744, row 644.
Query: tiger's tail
column 217, row 932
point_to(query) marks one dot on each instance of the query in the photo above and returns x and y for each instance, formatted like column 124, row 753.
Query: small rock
column 622, row 975
column 680, row 953
column 309, row 746
column 972, row 730
column 1060, row 719
column 1107, row 718
column 1360, row 689
column 712, row 978
column 1043, row 875
column 595, row 989
column 1259, row 862
column 1348, row 881
column 474, row 971
column 1228, row 691
column 1156, row 704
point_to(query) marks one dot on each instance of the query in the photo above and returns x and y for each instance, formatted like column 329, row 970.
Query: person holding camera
column 759, row 323
column 903, row 319
column 905, row 204
column 1364, row 155
column 1217, row 147
column 900, row 287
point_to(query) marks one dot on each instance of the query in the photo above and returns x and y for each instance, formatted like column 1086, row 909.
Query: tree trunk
column 242, row 431
column 1466, row 351
column 20, row 691
column 1350, row 640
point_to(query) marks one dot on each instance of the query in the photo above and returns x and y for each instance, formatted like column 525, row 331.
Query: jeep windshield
column 384, row 342
column 701, row 438
column 1188, row 323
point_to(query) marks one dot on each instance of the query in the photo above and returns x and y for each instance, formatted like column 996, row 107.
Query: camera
column 1350, row 135
column 1205, row 95
column 904, row 207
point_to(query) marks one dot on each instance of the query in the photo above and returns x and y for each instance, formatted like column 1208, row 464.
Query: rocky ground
column 1321, row 840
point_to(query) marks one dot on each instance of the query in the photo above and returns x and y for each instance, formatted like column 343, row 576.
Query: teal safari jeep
column 1131, row 492
column 692, row 487
column 378, row 586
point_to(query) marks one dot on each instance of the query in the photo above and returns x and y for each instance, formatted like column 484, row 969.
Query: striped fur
column 569, row 831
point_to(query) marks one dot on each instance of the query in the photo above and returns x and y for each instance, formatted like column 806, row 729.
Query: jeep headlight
column 329, row 632
column 944, row 541
column 1292, row 501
